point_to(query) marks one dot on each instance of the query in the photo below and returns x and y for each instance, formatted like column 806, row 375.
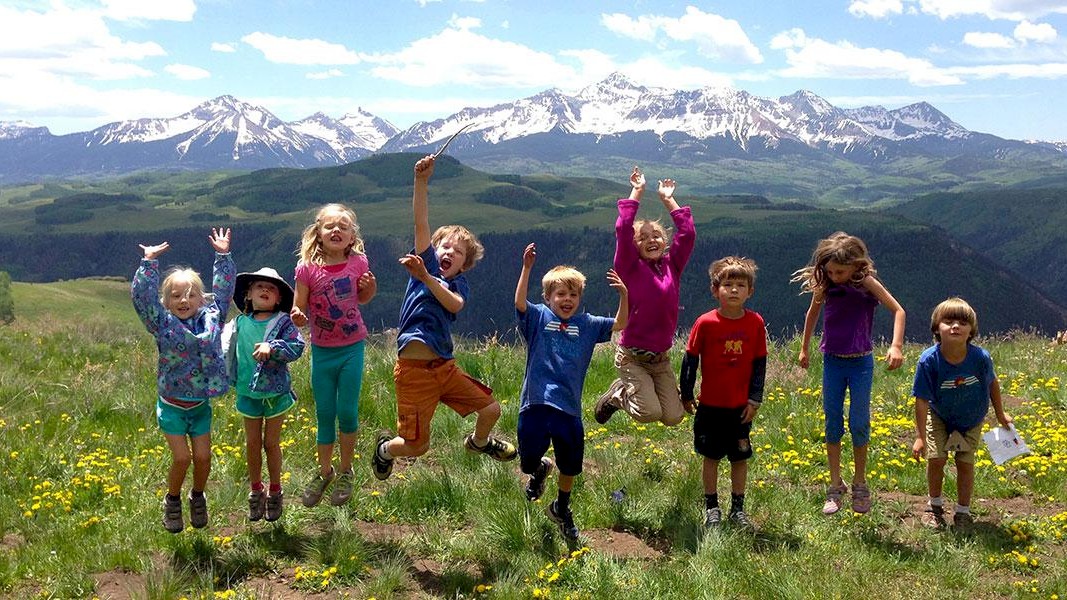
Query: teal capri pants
column 336, row 379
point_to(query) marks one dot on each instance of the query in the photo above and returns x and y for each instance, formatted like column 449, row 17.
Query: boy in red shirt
column 729, row 345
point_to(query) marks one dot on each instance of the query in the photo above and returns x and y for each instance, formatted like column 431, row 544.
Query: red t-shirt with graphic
column 726, row 348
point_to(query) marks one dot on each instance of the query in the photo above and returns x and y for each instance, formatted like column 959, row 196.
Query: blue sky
column 996, row 66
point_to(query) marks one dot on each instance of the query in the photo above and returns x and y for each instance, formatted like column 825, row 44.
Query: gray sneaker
column 172, row 515
column 712, row 518
column 316, row 488
column 342, row 488
column 565, row 521
column 274, row 507
column 198, row 511
column 257, row 504
column 740, row 519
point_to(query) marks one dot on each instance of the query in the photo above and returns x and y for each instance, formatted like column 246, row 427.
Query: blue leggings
column 855, row 375
column 336, row 378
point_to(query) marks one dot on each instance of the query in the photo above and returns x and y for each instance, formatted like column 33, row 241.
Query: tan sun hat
column 245, row 281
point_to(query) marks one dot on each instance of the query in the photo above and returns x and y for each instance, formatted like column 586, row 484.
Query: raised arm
column 624, row 308
column 637, row 184
column 666, row 194
column 522, row 288
column 895, row 356
column 419, row 203
column 415, row 266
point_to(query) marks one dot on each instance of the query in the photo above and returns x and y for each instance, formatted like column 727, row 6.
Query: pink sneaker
column 833, row 499
column 861, row 498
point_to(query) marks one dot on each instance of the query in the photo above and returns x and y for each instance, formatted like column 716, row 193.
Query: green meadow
column 82, row 469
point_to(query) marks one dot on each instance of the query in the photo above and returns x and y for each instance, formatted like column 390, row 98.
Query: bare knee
column 491, row 410
column 182, row 460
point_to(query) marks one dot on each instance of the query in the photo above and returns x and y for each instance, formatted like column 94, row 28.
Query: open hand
column 298, row 317
column 637, row 179
column 261, row 351
column 666, row 189
column 220, row 239
column 529, row 256
column 415, row 266
column 153, row 252
column 616, row 282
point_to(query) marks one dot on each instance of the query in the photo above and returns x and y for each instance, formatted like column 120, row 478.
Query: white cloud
column 979, row 39
column 464, row 23
column 289, row 51
column 815, row 58
column 1042, row 33
column 1012, row 71
column 423, row 3
column 877, row 9
column 328, row 74
column 187, row 72
column 1012, row 10
column 221, row 47
column 714, row 36
column 150, row 10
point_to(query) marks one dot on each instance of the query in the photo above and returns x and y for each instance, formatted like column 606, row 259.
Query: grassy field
column 82, row 467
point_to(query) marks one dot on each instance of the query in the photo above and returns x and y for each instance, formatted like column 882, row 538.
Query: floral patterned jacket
column 286, row 345
column 191, row 365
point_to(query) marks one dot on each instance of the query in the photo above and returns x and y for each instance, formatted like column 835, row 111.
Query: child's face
column 838, row 273
column 953, row 330
column 564, row 301
column 451, row 255
column 336, row 233
column 183, row 300
column 264, row 295
column 650, row 242
column 732, row 293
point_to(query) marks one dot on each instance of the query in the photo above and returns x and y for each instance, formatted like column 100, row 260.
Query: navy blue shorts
column 719, row 432
column 540, row 425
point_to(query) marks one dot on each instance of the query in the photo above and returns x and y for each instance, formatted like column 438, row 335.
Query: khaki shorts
column 423, row 384
column 939, row 442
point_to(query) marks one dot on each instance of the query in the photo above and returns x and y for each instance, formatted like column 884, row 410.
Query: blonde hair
column 562, row 276
column 664, row 232
column 475, row 250
column 185, row 274
column 310, row 250
column 950, row 309
column 841, row 248
column 732, row 267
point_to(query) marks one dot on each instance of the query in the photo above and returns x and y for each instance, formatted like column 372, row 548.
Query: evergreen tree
column 7, row 302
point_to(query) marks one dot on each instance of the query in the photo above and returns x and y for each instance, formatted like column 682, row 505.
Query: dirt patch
column 620, row 544
column 1013, row 402
column 909, row 507
column 11, row 542
column 119, row 585
column 385, row 532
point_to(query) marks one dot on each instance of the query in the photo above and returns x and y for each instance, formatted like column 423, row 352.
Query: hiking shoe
column 608, row 403
column 741, row 520
column 833, row 499
column 198, row 511
column 712, row 518
column 342, row 488
column 962, row 521
column 382, row 467
column 316, row 488
column 495, row 447
column 565, row 522
column 257, row 504
column 933, row 517
column 861, row 498
column 274, row 506
column 172, row 514
column 536, row 486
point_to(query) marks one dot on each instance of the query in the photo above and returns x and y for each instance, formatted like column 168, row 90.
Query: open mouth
column 446, row 264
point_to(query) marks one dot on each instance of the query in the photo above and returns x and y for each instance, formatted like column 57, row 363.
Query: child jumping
column 187, row 326
column 560, row 342
column 259, row 345
column 954, row 385
column 426, row 374
column 842, row 277
column 651, row 266
column 729, row 345
column 333, row 278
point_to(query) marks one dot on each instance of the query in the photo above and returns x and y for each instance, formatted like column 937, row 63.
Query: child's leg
column 860, row 381
column 349, row 385
column 834, row 384
column 487, row 418
column 964, row 482
column 201, row 461
column 710, row 476
column 324, row 374
column 935, row 476
column 181, row 458
column 272, row 444
column 666, row 388
column 254, row 450
column 859, row 462
column 738, row 477
column 639, row 399
column 833, row 461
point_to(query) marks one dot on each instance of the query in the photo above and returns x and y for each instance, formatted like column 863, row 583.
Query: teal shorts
column 265, row 408
column 193, row 422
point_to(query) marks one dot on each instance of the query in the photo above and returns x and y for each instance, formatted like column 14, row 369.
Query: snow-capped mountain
column 352, row 137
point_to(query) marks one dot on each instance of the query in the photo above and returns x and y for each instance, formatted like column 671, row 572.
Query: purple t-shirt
column 333, row 301
column 848, row 318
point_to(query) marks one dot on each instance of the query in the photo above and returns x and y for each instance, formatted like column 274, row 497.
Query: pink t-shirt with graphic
column 333, row 301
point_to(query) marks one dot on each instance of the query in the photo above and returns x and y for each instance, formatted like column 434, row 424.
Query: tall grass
column 82, row 468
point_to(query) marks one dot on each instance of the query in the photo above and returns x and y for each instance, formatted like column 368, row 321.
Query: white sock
column 383, row 452
column 480, row 442
column 938, row 501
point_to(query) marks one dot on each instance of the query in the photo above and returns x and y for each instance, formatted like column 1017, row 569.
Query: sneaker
column 316, row 488
column 495, row 447
column 962, row 521
column 274, row 506
column 172, row 515
column 257, row 504
column 712, row 518
column 741, row 520
column 933, row 517
column 607, row 404
column 536, row 486
column 342, row 489
column 833, row 499
column 382, row 467
column 198, row 511
column 565, row 522
column 861, row 498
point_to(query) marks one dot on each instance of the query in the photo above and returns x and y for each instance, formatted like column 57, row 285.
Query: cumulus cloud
column 877, row 9
column 187, row 72
column 1042, row 33
column 328, row 74
column 714, row 36
column 980, row 39
column 1012, row 10
column 289, row 51
column 221, row 47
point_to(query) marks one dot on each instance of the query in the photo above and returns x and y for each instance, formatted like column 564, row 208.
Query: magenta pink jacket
column 653, row 286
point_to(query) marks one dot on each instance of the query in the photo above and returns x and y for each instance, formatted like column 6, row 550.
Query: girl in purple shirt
column 841, row 276
column 650, row 264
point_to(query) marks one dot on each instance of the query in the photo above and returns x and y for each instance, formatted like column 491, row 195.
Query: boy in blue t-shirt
column 954, row 384
column 560, row 342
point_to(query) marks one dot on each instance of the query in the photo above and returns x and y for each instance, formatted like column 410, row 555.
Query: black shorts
column 719, row 432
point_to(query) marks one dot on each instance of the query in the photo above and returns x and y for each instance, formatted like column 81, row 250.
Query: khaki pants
column 646, row 388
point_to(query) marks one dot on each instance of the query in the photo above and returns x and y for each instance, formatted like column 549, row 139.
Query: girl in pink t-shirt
column 333, row 278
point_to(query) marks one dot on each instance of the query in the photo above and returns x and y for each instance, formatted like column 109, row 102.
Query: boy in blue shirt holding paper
column 954, row 385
